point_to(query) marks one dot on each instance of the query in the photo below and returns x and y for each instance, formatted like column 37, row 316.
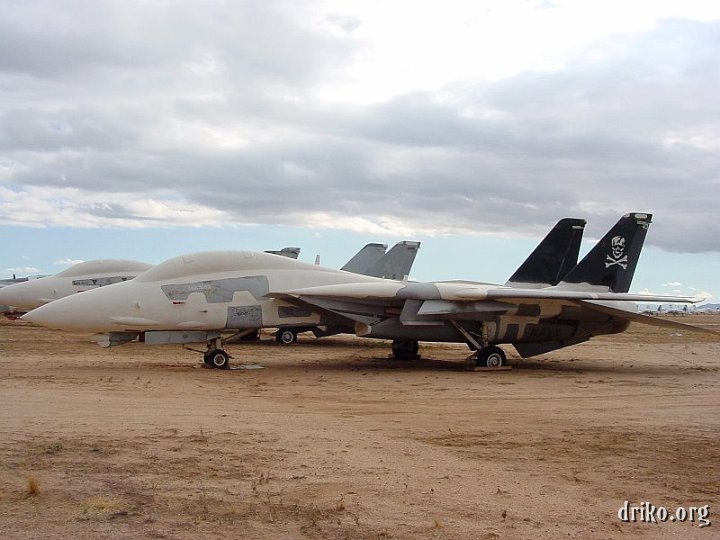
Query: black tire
column 207, row 360
column 492, row 356
column 404, row 349
column 286, row 336
column 218, row 358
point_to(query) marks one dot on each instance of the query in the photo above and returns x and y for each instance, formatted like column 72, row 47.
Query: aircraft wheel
column 286, row 336
column 404, row 349
column 217, row 358
column 491, row 357
column 207, row 359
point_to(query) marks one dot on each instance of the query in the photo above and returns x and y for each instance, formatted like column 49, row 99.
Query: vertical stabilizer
column 365, row 259
column 396, row 263
column 553, row 258
column 610, row 265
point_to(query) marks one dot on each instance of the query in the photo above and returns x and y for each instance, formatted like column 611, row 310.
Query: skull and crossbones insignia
column 617, row 253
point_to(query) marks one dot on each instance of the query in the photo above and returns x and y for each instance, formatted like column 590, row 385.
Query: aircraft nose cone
column 3, row 294
column 8, row 296
column 49, row 316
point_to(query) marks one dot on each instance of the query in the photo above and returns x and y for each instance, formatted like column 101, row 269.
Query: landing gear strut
column 485, row 355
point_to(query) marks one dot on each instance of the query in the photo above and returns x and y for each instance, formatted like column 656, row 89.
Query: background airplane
column 195, row 297
column 292, row 252
column 33, row 293
column 5, row 283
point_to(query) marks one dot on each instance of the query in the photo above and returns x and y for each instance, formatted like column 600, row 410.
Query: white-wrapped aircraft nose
column 26, row 295
column 119, row 307
column 60, row 314
column 87, row 311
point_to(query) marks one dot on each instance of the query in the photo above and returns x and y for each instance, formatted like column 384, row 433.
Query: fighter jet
column 33, row 293
column 196, row 297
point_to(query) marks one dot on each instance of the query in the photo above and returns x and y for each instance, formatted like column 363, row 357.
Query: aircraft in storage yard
column 197, row 297
column 30, row 294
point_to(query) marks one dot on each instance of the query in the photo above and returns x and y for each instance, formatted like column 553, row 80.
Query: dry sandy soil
column 334, row 440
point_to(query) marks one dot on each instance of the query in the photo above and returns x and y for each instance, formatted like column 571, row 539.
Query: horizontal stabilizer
column 646, row 319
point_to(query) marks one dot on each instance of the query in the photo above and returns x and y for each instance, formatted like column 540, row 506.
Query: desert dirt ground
column 334, row 440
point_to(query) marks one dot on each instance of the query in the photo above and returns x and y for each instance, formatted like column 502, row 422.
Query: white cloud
column 485, row 117
column 67, row 262
column 21, row 271
column 73, row 207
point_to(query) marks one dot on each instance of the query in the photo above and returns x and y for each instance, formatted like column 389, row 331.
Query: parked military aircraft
column 195, row 297
column 33, row 293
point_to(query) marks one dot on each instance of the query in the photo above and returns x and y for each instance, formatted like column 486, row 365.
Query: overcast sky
column 359, row 120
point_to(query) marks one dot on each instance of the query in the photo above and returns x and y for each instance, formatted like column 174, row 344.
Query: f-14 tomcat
column 197, row 297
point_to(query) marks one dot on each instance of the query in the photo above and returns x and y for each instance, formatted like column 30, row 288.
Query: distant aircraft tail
column 396, row 263
column 365, row 259
column 291, row 252
column 610, row 265
column 553, row 258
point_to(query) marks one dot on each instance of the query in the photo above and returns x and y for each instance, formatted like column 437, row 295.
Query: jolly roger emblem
column 617, row 253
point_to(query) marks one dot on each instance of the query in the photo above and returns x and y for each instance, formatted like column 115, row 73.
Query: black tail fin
column 397, row 262
column 554, row 257
column 611, row 263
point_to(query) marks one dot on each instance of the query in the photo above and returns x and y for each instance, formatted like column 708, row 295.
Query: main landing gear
column 491, row 356
column 215, row 356
column 405, row 349
column 485, row 355
column 286, row 336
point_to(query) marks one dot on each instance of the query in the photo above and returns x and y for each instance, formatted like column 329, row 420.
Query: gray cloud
column 218, row 107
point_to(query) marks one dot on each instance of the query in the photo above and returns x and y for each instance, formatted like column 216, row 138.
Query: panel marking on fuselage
column 244, row 317
column 100, row 281
column 219, row 290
